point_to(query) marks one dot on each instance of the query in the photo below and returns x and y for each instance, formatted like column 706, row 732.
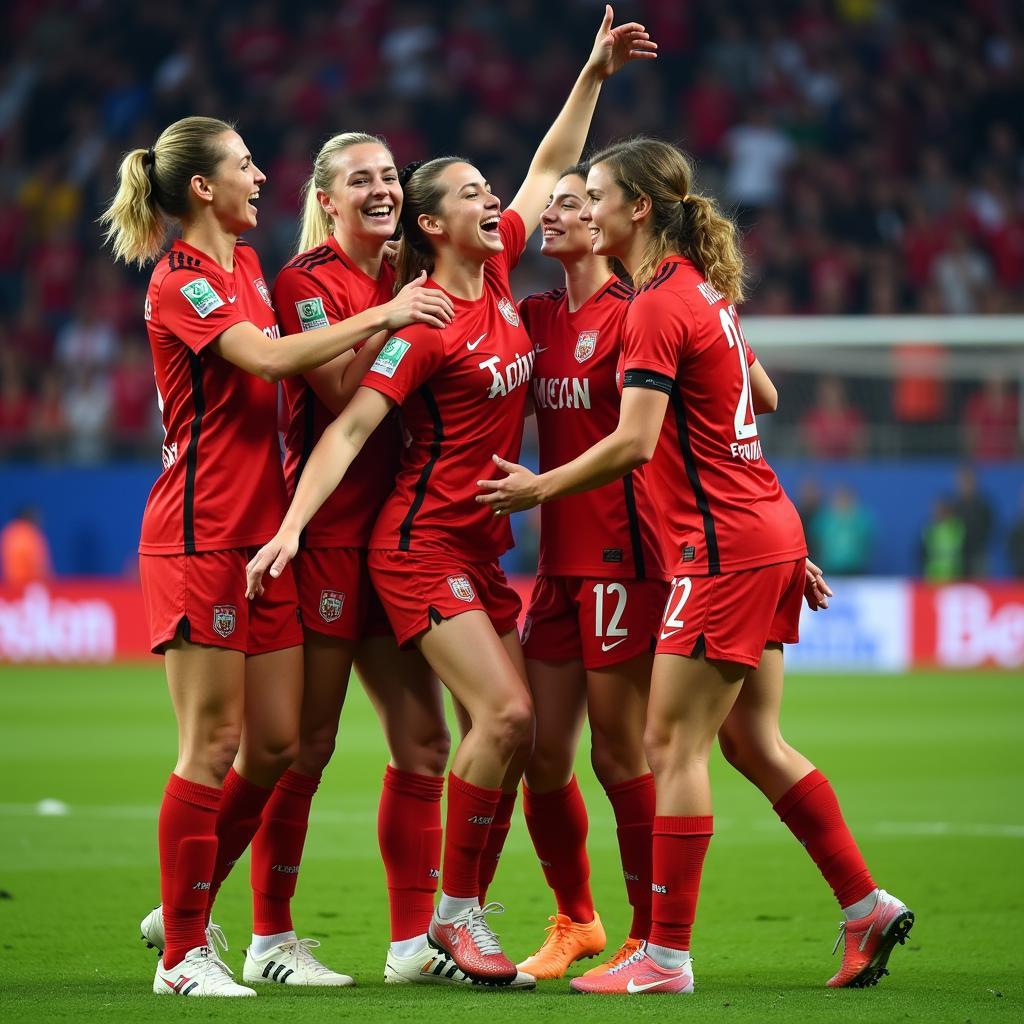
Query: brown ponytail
column 681, row 221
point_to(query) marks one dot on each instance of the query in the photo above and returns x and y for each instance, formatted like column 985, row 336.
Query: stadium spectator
column 843, row 535
column 86, row 340
column 991, row 421
column 975, row 511
column 961, row 273
column 942, row 544
column 833, row 428
column 24, row 550
column 809, row 506
column 87, row 410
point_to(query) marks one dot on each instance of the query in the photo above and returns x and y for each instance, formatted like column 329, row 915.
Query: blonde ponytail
column 709, row 241
column 316, row 225
column 154, row 186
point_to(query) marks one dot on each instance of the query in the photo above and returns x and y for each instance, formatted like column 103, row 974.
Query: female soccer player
column 597, row 603
column 433, row 555
column 352, row 205
column 740, row 566
column 234, row 669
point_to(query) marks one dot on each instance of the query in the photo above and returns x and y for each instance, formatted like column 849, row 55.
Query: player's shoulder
column 669, row 293
column 616, row 293
column 314, row 262
column 539, row 301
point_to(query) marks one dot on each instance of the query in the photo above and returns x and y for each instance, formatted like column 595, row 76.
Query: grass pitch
column 929, row 769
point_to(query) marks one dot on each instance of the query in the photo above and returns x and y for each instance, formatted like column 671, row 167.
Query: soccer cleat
column 467, row 938
column 635, row 976
column 152, row 928
column 869, row 941
column 200, row 973
column 292, row 963
column 623, row 953
column 567, row 942
column 432, row 966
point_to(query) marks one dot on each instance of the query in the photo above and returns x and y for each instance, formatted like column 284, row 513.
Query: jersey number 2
column 745, row 406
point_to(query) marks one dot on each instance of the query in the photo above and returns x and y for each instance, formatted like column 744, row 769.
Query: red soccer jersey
column 463, row 393
column 611, row 532
column 724, row 507
column 222, row 485
column 320, row 287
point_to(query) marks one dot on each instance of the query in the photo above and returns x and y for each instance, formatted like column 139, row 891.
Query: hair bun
column 408, row 171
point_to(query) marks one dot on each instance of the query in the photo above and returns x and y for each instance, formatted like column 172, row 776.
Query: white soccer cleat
column 430, row 966
column 200, row 973
column 152, row 928
column 292, row 963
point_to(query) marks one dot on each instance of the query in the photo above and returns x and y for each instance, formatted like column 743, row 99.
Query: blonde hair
column 681, row 221
column 316, row 225
column 423, row 194
column 153, row 186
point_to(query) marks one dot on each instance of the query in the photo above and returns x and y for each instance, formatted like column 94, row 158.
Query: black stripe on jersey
column 710, row 534
column 305, row 257
column 648, row 379
column 308, row 429
column 316, row 258
column 617, row 290
column 634, row 527
column 660, row 277
column 420, row 494
column 192, row 452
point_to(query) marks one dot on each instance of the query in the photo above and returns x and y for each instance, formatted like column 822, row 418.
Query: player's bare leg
column 874, row 922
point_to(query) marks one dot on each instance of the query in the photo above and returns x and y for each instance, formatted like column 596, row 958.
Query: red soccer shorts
column 336, row 595
column 204, row 594
column 418, row 590
column 604, row 622
column 731, row 617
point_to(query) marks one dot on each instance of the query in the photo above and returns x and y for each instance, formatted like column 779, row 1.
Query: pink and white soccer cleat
column 467, row 938
column 637, row 976
column 869, row 941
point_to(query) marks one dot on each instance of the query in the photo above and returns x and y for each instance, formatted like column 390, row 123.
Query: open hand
column 614, row 47
column 415, row 304
column 513, row 493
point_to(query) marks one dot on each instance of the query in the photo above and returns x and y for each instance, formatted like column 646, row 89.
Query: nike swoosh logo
column 471, row 345
column 632, row 987
column 537, row 351
column 608, row 647
column 671, row 632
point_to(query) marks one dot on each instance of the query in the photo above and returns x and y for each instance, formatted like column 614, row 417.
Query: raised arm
column 339, row 444
column 562, row 145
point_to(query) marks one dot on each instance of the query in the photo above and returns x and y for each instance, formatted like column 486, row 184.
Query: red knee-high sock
column 558, row 827
column 409, row 833
column 471, row 809
column 238, row 818
column 633, row 804
column 496, row 836
column 186, row 835
column 812, row 813
column 277, row 852
column 679, row 847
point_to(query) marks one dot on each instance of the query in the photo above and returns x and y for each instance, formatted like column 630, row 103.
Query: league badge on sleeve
column 201, row 296
column 225, row 618
column 462, row 588
column 261, row 287
column 585, row 345
column 507, row 308
column 332, row 602
column 311, row 314
column 390, row 356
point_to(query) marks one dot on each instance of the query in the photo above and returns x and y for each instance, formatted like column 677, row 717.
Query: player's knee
column 315, row 752
column 550, row 767
column 511, row 728
column 218, row 752
column 275, row 753
column 423, row 755
column 615, row 759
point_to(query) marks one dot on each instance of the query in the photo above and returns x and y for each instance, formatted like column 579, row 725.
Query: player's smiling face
column 235, row 186
column 365, row 200
column 564, row 234
column 608, row 213
column 469, row 215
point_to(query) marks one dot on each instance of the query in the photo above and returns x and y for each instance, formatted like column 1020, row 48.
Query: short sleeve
column 406, row 362
column 751, row 355
column 195, row 310
column 512, row 231
column 653, row 337
column 303, row 303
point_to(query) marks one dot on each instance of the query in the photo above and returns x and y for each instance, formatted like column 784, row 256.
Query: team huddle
column 672, row 566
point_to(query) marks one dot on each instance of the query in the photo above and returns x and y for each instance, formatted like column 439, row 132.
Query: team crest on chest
column 261, row 287
column 225, row 618
column 331, row 604
column 585, row 345
column 508, row 310
column 461, row 588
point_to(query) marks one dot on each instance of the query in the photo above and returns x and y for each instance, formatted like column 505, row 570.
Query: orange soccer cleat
column 869, row 941
column 567, row 942
column 638, row 975
column 624, row 952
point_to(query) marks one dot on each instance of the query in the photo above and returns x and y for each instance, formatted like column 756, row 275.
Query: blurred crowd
column 870, row 150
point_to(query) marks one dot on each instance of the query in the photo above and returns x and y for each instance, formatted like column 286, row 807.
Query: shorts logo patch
column 507, row 308
column 311, row 314
column 225, row 618
column 586, row 343
column 332, row 602
column 261, row 287
column 461, row 588
column 390, row 356
column 201, row 296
